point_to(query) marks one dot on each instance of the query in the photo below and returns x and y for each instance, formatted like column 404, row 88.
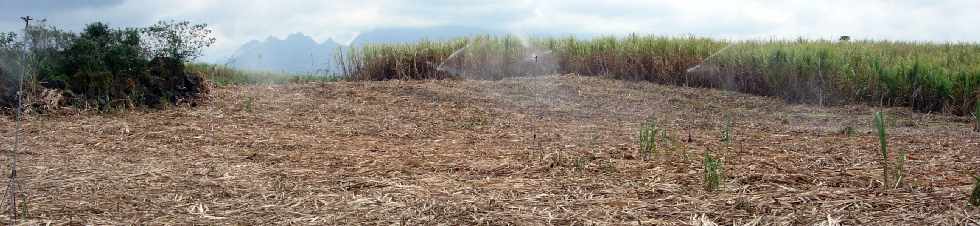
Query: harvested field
column 556, row 150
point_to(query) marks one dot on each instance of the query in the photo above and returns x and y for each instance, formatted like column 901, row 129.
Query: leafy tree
column 47, row 37
column 47, row 44
column 8, row 40
column 179, row 40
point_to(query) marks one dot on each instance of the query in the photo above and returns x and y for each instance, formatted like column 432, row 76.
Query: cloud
column 238, row 21
column 16, row 6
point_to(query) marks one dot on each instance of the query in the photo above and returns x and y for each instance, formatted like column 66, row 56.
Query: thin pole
column 13, row 154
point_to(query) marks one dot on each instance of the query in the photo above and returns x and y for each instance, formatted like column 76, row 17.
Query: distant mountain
column 403, row 35
column 297, row 53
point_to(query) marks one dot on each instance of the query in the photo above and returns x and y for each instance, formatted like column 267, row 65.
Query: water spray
column 442, row 66
column 481, row 58
column 689, row 70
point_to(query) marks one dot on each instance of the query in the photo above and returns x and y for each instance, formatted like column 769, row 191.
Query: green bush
column 106, row 67
column 8, row 85
column 10, row 69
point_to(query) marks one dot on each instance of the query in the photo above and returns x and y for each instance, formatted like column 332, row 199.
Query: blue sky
column 238, row 21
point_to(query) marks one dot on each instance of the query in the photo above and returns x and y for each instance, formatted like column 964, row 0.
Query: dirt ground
column 557, row 150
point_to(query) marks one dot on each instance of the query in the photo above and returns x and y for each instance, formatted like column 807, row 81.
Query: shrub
column 168, row 82
column 11, row 55
column 8, row 87
column 107, row 67
column 97, row 58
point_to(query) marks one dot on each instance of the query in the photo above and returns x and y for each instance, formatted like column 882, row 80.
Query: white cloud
column 238, row 21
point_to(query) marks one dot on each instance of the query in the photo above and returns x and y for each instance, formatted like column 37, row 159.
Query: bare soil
column 556, row 150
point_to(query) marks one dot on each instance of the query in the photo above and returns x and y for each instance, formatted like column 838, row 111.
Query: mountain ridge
column 299, row 53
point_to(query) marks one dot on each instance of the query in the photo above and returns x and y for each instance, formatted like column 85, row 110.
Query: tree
column 43, row 37
column 8, row 40
column 179, row 40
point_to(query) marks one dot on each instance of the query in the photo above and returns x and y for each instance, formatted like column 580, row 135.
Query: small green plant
column 879, row 123
column 165, row 102
column 24, row 210
column 648, row 138
column 608, row 166
column 848, row 131
column 726, row 132
column 581, row 162
column 892, row 173
column 900, row 168
column 248, row 103
column 712, row 172
column 975, row 196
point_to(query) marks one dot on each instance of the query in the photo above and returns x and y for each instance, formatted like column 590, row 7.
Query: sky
column 238, row 21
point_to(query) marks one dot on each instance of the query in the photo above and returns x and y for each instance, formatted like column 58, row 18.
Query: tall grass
column 925, row 76
column 634, row 57
column 222, row 75
column 651, row 58
column 398, row 61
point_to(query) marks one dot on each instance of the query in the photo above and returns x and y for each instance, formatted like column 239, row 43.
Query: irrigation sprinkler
column 12, row 184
